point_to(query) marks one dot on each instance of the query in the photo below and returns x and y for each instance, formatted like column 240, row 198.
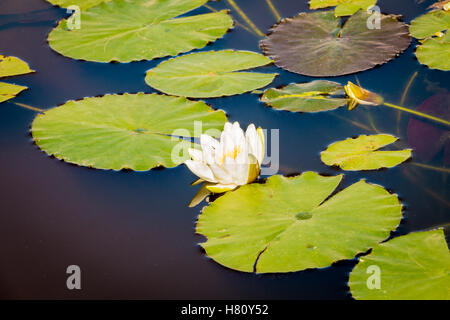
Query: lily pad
column 317, row 44
column 343, row 7
column 359, row 153
column 432, row 29
column 83, row 4
column 411, row 267
column 127, row 31
column 314, row 96
column 435, row 53
column 288, row 225
column 430, row 23
column 210, row 74
column 130, row 131
column 9, row 91
column 11, row 66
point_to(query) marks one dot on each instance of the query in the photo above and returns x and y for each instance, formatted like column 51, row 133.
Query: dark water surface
column 132, row 233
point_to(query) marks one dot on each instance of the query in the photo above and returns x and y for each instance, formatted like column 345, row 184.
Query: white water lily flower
column 233, row 161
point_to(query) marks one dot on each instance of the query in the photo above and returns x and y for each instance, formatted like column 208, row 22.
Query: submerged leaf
column 210, row 74
column 435, row 49
column 284, row 225
column 314, row 96
column 426, row 138
column 130, row 131
column 83, row 4
column 343, row 7
column 359, row 153
column 315, row 44
column 127, row 31
column 411, row 267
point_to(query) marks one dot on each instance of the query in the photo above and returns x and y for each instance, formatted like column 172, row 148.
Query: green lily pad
column 127, row 31
column 359, row 153
column 428, row 24
column 434, row 51
column 130, row 131
column 343, row 7
column 288, row 225
column 9, row 91
column 411, row 267
column 314, row 96
column 11, row 66
column 317, row 44
column 210, row 74
column 83, row 4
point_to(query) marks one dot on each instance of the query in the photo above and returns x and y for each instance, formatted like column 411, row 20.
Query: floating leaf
column 429, row 24
column 284, row 225
column 127, row 31
column 343, row 7
column 316, row 44
column 411, row 267
column 9, row 91
column 359, row 153
column 11, row 66
column 314, row 96
column 435, row 53
column 83, row 4
column 122, row 131
column 426, row 138
column 435, row 49
column 210, row 74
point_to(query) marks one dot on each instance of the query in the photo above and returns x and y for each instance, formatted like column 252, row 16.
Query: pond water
column 132, row 234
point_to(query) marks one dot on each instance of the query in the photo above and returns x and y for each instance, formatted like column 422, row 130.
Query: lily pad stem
column 417, row 113
column 246, row 19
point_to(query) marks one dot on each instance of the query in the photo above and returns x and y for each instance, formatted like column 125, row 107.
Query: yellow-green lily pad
column 411, row 267
column 432, row 29
column 360, row 153
column 210, row 74
column 83, row 4
column 287, row 224
column 11, row 66
column 343, row 7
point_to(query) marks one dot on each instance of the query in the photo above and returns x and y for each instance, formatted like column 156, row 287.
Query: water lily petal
column 201, row 170
column 195, row 154
column 206, row 140
column 261, row 146
column 253, row 168
column 221, row 174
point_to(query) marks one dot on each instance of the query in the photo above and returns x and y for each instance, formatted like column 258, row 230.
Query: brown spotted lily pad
column 319, row 44
column 426, row 137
